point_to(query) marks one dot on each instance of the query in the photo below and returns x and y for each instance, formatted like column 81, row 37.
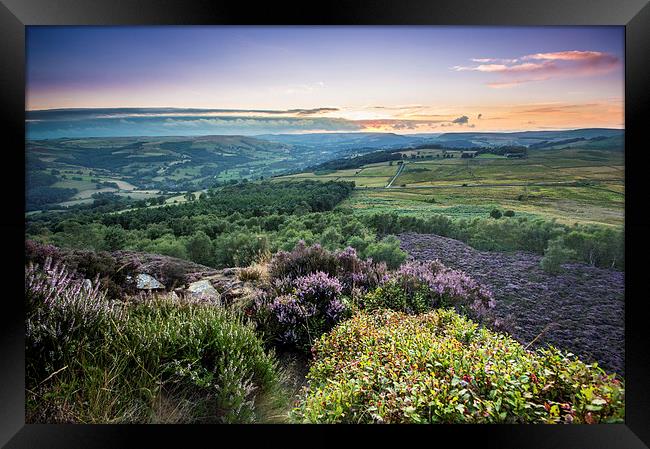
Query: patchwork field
column 570, row 185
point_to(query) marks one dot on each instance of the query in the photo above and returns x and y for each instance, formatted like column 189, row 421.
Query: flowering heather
column 345, row 265
column 62, row 312
column 301, row 309
column 447, row 286
column 290, row 310
column 302, row 260
column 332, row 281
column 357, row 273
column 335, row 309
column 55, row 288
column 317, row 287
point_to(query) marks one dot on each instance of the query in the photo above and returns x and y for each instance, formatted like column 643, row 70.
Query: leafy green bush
column 555, row 255
column 440, row 367
column 495, row 213
column 509, row 213
column 387, row 250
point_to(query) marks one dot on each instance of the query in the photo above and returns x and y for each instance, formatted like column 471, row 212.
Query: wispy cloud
column 543, row 66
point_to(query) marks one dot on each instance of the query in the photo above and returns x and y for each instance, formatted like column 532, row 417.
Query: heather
column 580, row 309
column 440, row 367
column 417, row 287
column 90, row 359
column 310, row 289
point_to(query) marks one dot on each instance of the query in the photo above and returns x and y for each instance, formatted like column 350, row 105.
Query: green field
column 570, row 185
column 372, row 175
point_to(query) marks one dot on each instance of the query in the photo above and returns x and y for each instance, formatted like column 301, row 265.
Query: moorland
column 342, row 277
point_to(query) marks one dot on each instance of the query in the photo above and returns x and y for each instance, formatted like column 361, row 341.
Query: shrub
column 206, row 352
column 555, row 255
column 386, row 250
column 357, row 274
column 199, row 248
column 302, row 260
column 352, row 272
column 420, row 286
column 509, row 213
column 440, row 367
column 240, row 249
column 65, row 317
column 495, row 213
column 299, row 311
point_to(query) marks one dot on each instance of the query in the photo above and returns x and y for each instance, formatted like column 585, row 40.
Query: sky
column 188, row 80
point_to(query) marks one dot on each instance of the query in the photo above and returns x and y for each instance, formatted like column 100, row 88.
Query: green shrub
column 392, row 296
column 440, row 367
column 495, row 213
column 199, row 248
column 555, row 255
column 205, row 352
column 509, row 213
column 386, row 250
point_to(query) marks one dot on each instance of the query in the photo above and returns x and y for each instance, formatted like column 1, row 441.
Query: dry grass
column 257, row 272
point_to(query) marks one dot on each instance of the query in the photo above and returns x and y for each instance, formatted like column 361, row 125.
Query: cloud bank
column 126, row 122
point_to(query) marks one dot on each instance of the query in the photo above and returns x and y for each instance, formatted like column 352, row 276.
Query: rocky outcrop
column 579, row 310
column 185, row 278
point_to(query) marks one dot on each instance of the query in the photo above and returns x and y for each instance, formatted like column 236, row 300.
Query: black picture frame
column 633, row 14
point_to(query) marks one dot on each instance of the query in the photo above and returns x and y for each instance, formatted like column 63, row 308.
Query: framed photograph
column 361, row 213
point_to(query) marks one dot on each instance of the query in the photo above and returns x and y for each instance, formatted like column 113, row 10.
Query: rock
column 147, row 282
column 230, row 271
column 88, row 285
column 203, row 289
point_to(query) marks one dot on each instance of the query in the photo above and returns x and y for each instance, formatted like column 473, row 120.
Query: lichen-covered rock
column 203, row 289
column 147, row 282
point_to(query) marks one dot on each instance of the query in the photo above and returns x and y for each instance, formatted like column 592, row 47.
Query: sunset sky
column 253, row 80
